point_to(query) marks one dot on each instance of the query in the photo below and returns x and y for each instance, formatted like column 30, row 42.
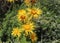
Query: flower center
column 22, row 17
column 33, row 12
column 27, row 27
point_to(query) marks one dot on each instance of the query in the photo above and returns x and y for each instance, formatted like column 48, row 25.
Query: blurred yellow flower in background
column 33, row 37
column 16, row 32
column 35, row 12
column 28, row 27
column 10, row 0
column 27, row 2
column 22, row 15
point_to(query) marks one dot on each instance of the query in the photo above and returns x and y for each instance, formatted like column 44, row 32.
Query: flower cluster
column 26, row 16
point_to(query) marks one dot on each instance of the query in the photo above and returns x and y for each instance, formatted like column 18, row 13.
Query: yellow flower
column 22, row 11
column 22, row 15
column 10, row 0
column 28, row 27
column 16, row 32
column 27, row 2
column 35, row 12
column 33, row 37
column 30, row 2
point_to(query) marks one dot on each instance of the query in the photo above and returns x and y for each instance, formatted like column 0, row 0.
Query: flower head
column 22, row 11
column 22, row 15
column 35, row 12
column 29, row 2
column 28, row 27
column 33, row 37
column 16, row 32
column 10, row 0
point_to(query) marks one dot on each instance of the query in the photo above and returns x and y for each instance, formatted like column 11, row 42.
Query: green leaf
column 23, row 40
